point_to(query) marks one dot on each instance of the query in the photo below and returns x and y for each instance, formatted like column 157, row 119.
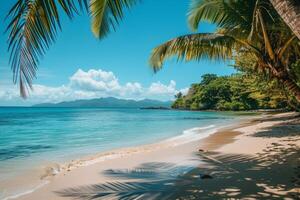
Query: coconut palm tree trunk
column 292, row 87
column 289, row 10
column 283, row 76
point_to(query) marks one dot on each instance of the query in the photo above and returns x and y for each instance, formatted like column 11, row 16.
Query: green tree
column 207, row 78
column 251, row 27
column 248, row 25
column 236, row 92
column 178, row 95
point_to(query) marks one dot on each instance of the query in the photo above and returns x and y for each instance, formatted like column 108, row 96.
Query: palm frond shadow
column 121, row 190
column 150, row 171
column 233, row 176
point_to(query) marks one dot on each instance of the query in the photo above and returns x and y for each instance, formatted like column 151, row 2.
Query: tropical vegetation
column 265, row 30
column 245, row 29
column 236, row 92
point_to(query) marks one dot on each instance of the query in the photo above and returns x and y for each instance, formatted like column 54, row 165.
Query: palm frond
column 225, row 14
column 195, row 46
column 107, row 14
column 286, row 45
column 32, row 29
column 238, row 18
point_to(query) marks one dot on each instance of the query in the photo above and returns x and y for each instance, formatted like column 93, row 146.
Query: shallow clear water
column 30, row 137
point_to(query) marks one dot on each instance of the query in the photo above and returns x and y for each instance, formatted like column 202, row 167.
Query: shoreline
column 222, row 139
column 45, row 174
column 171, row 142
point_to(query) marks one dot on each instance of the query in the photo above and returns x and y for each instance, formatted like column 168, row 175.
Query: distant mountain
column 109, row 102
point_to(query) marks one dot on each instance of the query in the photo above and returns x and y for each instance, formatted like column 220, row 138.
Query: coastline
column 50, row 172
column 90, row 170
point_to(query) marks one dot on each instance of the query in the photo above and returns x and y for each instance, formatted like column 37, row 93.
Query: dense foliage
column 245, row 29
column 235, row 92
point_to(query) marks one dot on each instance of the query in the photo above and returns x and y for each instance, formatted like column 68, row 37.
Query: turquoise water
column 30, row 137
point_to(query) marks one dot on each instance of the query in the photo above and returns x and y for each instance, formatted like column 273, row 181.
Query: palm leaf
column 225, row 14
column 32, row 29
column 238, row 18
column 194, row 46
column 107, row 14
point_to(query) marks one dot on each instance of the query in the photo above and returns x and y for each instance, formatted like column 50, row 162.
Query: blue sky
column 121, row 58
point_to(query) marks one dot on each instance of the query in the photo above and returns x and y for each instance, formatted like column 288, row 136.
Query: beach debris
column 51, row 170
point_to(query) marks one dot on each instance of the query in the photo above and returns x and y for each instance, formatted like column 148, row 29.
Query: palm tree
column 289, row 10
column 33, row 26
column 251, row 28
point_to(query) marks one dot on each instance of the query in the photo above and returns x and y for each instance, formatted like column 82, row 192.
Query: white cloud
column 184, row 91
column 93, row 84
column 132, row 89
column 94, row 80
column 159, row 88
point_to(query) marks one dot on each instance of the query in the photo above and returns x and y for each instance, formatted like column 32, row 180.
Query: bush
column 194, row 106
column 236, row 106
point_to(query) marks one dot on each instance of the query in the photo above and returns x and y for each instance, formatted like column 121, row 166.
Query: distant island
column 110, row 102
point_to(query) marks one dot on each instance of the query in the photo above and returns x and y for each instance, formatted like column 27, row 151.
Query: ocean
column 32, row 138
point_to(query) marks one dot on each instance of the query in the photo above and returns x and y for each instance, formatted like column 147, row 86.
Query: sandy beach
column 229, row 155
column 150, row 100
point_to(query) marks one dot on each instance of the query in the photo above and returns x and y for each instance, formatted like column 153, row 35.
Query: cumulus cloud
column 94, row 80
column 184, row 91
column 159, row 88
column 95, row 84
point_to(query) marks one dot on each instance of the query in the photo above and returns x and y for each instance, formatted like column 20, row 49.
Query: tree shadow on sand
column 289, row 129
column 266, row 176
column 279, row 118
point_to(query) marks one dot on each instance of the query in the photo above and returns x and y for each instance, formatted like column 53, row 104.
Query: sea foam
column 193, row 134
